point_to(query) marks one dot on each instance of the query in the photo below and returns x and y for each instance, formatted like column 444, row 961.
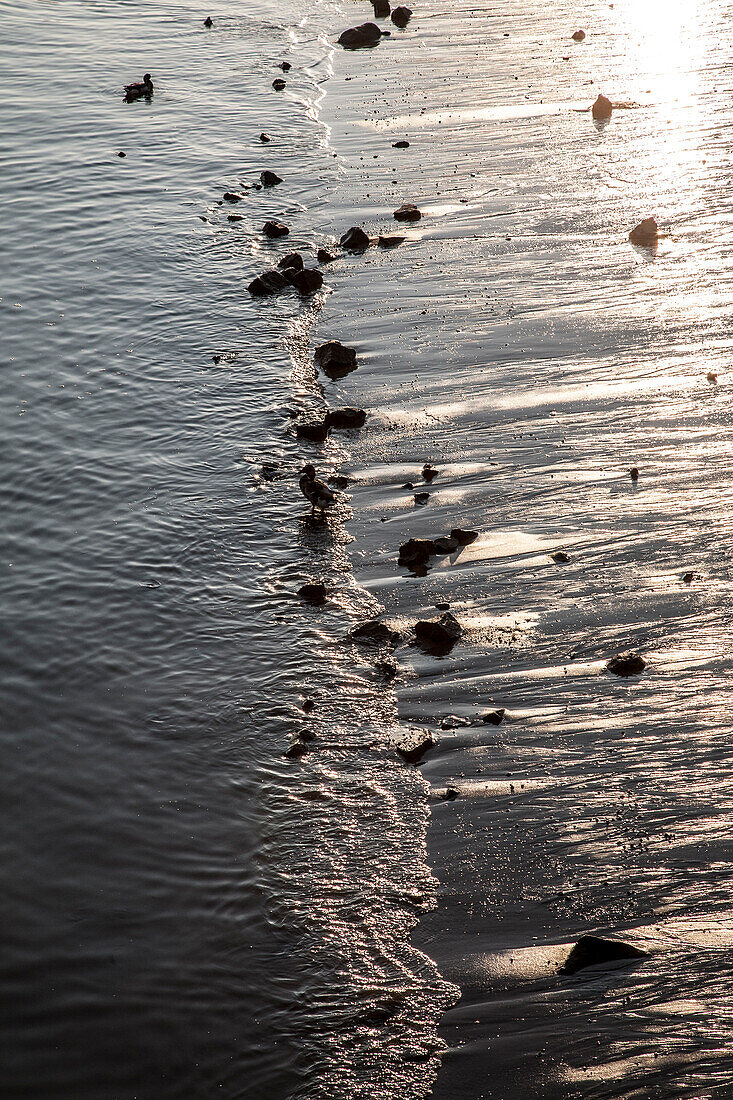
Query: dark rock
column 278, row 83
column 285, row 66
column 401, row 16
column 232, row 196
column 421, row 499
column 688, row 578
column 408, row 212
column 626, row 664
column 560, row 557
column 307, row 281
column 340, row 482
column 414, row 746
column 445, row 544
column 345, row 418
column 372, row 632
column 307, row 735
column 361, row 37
column 121, row 154
column 316, row 431
column 275, row 230
column 270, row 179
column 463, row 536
column 408, row 485
column 324, row 256
column 354, row 240
column 235, row 217
column 216, row 359
column 335, row 359
column 381, row 8
column 578, row 36
column 454, row 722
column 208, row 21
column 596, row 951
column 449, row 795
column 602, row 109
column 442, row 607
column 429, row 472
column 390, row 242
column 387, row 669
column 314, row 592
column 401, row 144
column 438, row 636
column 270, row 282
column 645, row 234
column 415, row 554
column 293, row 261
column 296, row 750
column 634, row 473
column 493, row 717
column 308, row 706
column 264, row 138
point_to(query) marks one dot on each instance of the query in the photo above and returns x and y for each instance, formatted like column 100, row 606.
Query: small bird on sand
column 143, row 89
column 315, row 490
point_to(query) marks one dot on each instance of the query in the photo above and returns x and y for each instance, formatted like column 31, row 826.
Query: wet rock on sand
column 429, row 472
column 413, row 747
column 235, row 217
column 292, row 260
column 208, row 21
column 275, row 230
column 306, row 282
column 602, row 109
column 493, row 717
column 372, row 632
column 421, row 499
column 597, row 951
column 438, row 636
column 355, row 239
column 381, row 8
column 390, row 242
column 232, row 196
column 578, row 36
column 646, row 233
column 270, row 179
column 415, row 555
column 315, row 431
column 324, row 256
column 445, row 544
column 626, row 664
column 335, row 359
column 314, row 593
column 278, row 84
column 408, row 212
column 560, row 557
column 264, row 138
column 463, row 536
column 401, row 16
column 270, row 282
column 634, row 473
column 297, row 750
column 346, row 419
column 361, row 37
column 401, row 144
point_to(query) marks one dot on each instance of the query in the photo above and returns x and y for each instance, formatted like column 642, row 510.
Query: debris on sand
column 597, row 951
column 438, row 636
column 626, row 664
column 645, row 234
column 602, row 109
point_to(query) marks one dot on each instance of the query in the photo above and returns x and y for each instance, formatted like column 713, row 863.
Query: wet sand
column 518, row 342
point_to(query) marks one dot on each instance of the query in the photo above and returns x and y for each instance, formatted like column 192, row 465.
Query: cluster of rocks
column 290, row 272
column 368, row 35
column 415, row 554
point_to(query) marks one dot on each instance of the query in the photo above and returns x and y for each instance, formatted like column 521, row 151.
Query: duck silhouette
column 314, row 490
column 142, row 90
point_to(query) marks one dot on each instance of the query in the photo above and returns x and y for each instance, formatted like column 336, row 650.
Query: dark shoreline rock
column 645, row 234
column 381, row 8
column 602, row 109
column 626, row 664
column 597, row 951
column 269, row 282
column 438, row 636
column 315, row 431
column 270, row 179
column 355, row 239
column 278, row 84
column 408, row 212
column 275, row 230
column 335, row 359
column 372, row 632
column 306, row 282
column 293, row 261
column 362, row 37
column 346, row 419
column 401, row 16
column 413, row 747
column 314, row 593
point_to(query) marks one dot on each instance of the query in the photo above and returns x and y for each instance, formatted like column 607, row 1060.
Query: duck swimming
column 142, row 90
column 315, row 490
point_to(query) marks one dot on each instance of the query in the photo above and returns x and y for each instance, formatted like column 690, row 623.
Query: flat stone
column 232, row 196
column 560, row 557
column 390, row 242
column 408, row 212
column 401, row 144
column 445, row 544
column 597, row 951
column 372, row 632
column 235, row 217
column 626, row 664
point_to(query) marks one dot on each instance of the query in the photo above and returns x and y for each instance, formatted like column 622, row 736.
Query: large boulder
column 306, row 282
column 438, row 635
column 597, row 951
column 361, row 37
column 335, row 359
column 354, row 239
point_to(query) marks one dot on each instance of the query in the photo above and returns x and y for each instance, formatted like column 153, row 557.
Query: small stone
column 335, row 359
column 414, row 746
column 493, row 717
column 264, row 138
column 401, row 16
column 560, row 557
column 285, row 66
column 216, row 359
column 596, row 951
column 324, row 256
column 390, row 242
column 308, row 706
column 415, row 555
column 401, row 144
column 387, row 669
column 408, row 485
column 645, row 234
column 688, row 578
column 232, row 196
column 408, row 212
column 314, row 593
column 634, row 473
column 429, row 472
column 293, row 261
column 235, row 217
column 346, row 419
column 626, row 664
column 438, row 636
column 602, row 109
column 208, row 21
column 372, row 632
column 275, row 230
column 270, row 179
column 270, row 282
column 450, row 794
column 442, row 606
column 121, row 154
column 315, row 431
column 421, row 499
column 579, row 36
column 278, row 83
column 354, row 240
column 307, row 735
column 463, row 536
column 454, row 722
column 712, row 376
